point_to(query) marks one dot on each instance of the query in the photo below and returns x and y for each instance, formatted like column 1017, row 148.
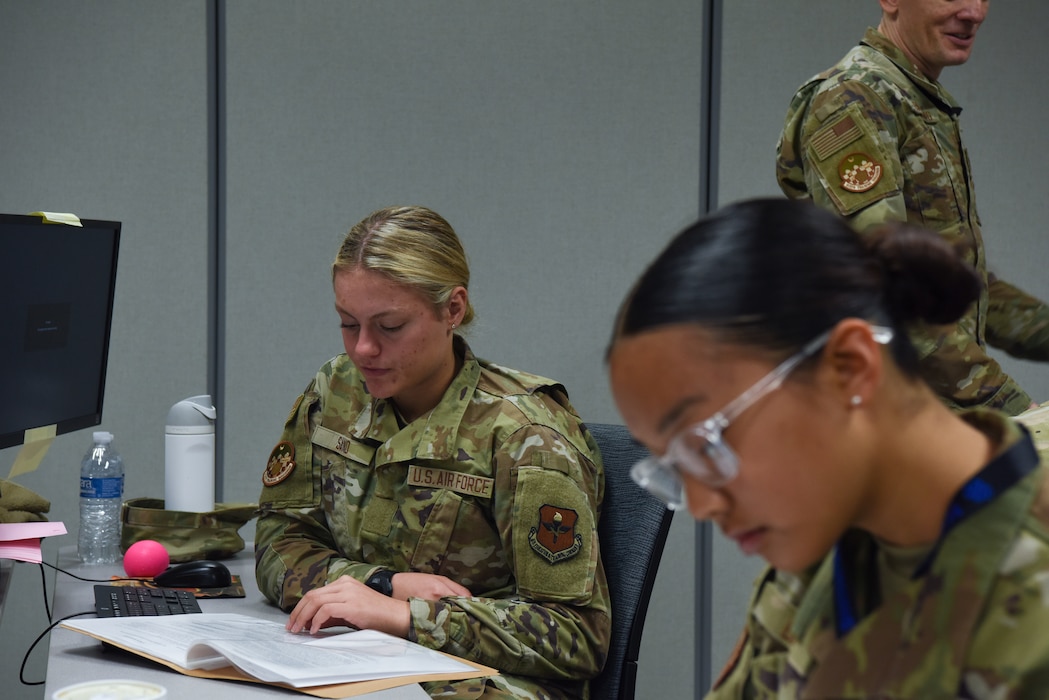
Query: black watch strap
column 381, row 581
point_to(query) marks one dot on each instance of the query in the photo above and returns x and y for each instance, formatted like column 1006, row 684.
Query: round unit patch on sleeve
column 281, row 464
column 859, row 172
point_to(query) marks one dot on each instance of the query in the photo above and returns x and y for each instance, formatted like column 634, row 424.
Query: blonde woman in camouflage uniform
column 764, row 358
column 423, row 492
column 876, row 138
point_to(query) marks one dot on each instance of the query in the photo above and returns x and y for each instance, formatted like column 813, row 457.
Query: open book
column 1037, row 421
column 241, row 647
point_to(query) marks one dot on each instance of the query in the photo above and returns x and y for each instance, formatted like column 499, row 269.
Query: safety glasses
column 700, row 450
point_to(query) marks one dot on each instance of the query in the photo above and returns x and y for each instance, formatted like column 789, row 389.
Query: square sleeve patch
column 850, row 164
column 554, row 537
column 289, row 479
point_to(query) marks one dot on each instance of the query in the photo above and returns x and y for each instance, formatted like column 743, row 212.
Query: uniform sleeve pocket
column 852, row 166
column 554, row 537
column 289, row 480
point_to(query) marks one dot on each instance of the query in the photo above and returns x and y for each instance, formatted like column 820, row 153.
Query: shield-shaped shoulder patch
column 555, row 538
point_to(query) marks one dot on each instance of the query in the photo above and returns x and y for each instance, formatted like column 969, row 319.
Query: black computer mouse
column 206, row 573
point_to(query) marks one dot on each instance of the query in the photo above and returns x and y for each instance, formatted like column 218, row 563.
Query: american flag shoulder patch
column 835, row 136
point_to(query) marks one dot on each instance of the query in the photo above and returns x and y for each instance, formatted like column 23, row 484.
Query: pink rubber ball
column 146, row 559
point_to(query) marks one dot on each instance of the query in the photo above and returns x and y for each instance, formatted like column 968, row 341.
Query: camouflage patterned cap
column 186, row 536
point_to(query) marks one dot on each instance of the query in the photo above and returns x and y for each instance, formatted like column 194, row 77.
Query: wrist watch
column 381, row 581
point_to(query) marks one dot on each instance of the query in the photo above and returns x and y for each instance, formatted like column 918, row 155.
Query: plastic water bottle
column 101, row 495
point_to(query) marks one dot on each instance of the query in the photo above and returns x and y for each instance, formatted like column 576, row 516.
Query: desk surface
column 75, row 658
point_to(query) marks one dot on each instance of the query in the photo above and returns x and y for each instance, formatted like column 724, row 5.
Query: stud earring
column 856, row 400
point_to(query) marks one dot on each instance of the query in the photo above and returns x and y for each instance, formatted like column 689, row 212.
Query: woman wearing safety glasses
column 764, row 359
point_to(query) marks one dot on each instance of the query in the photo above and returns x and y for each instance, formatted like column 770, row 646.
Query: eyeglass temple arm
column 772, row 380
column 769, row 382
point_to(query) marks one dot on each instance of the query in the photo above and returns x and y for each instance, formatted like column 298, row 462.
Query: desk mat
column 234, row 590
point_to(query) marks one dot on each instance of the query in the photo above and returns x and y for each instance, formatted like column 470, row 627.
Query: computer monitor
column 56, row 311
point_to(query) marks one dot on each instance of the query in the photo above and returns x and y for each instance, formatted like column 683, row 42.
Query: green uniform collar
column 431, row 435
column 878, row 41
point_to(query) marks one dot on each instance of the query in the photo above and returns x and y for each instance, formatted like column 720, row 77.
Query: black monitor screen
column 56, row 310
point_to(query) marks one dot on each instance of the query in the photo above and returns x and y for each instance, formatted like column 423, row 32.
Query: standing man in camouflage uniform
column 876, row 138
column 423, row 492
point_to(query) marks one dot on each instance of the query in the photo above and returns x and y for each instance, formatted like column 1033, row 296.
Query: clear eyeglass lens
column 660, row 481
column 703, row 454
column 700, row 453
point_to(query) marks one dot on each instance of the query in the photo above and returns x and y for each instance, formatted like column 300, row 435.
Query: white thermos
column 189, row 456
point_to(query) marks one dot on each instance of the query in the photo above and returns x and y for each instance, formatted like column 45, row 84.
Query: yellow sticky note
column 54, row 217
column 34, row 446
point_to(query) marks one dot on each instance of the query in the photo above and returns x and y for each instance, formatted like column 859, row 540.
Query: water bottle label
column 108, row 487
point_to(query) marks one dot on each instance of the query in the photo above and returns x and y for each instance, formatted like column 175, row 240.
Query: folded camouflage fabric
column 186, row 536
column 21, row 505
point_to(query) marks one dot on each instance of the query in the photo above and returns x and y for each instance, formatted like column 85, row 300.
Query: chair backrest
column 633, row 529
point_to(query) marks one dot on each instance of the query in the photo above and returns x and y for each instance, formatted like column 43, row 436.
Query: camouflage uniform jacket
column 498, row 488
column 875, row 140
column 972, row 627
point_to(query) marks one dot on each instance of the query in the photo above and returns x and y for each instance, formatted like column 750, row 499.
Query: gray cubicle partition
column 104, row 113
column 238, row 140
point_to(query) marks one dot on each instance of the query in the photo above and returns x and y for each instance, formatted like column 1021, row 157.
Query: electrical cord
column 54, row 623
column 25, row 659
column 81, row 578
column 43, row 587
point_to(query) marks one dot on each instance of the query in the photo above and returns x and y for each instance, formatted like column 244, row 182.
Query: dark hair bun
column 925, row 277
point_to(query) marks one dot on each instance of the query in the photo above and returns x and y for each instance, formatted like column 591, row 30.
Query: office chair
column 633, row 529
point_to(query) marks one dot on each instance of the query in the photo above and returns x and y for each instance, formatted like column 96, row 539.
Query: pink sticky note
column 21, row 541
column 22, row 550
column 21, row 531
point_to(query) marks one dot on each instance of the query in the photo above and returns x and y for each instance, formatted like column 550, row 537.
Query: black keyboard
column 131, row 601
